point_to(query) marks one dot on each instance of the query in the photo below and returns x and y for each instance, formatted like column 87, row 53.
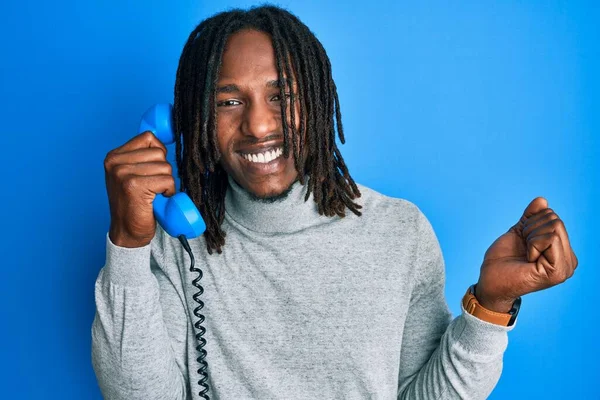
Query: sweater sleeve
column 139, row 330
column 443, row 358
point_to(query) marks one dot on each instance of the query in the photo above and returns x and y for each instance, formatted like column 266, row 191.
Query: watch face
column 514, row 311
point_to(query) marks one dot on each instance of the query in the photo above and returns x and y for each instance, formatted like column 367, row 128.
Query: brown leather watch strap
column 473, row 307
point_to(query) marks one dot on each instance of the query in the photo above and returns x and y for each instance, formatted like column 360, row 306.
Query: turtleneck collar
column 287, row 215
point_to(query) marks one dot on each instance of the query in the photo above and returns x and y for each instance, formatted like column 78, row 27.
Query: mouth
column 262, row 156
column 263, row 161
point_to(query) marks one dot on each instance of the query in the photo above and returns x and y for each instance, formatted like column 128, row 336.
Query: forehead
column 248, row 54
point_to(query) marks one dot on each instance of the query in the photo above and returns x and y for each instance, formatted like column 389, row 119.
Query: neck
column 284, row 215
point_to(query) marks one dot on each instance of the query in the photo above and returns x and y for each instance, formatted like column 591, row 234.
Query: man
column 303, row 299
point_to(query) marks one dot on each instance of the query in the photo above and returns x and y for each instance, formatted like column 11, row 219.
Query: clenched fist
column 533, row 255
column 135, row 173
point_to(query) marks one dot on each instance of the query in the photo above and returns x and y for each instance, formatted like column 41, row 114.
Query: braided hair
column 194, row 114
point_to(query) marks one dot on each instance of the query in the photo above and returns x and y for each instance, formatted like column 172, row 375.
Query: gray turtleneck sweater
column 298, row 306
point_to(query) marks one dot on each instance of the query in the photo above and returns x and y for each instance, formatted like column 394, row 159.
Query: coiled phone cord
column 198, row 324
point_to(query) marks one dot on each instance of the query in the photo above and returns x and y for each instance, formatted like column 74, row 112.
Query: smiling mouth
column 264, row 157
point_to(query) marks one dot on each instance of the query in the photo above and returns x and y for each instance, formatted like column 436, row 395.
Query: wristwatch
column 473, row 307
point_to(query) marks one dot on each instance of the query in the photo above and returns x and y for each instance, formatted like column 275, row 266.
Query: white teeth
column 265, row 157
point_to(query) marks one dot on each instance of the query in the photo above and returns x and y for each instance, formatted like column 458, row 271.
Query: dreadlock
column 194, row 115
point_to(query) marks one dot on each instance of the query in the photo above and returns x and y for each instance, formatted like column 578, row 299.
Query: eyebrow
column 275, row 83
column 228, row 89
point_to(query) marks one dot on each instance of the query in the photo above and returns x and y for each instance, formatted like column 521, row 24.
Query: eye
column 227, row 103
column 276, row 97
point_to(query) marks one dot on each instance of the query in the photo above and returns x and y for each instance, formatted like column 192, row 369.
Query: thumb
column 538, row 204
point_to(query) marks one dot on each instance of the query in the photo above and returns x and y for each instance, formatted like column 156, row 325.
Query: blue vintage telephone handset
column 180, row 218
column 176, row 214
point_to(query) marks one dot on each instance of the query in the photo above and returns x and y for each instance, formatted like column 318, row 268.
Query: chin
column 270, row 193
column 268, row 190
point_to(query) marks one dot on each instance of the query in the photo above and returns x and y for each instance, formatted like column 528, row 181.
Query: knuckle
column 130, row 184
column 158, row 153
column 148, row 135
column 151, row 138
column 120, row 170
column 109, row 160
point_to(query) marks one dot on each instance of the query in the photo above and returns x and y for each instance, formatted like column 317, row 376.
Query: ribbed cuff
column 127, row 266
column 482, row 337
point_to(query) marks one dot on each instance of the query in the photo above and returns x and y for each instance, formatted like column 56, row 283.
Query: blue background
column 468, row 110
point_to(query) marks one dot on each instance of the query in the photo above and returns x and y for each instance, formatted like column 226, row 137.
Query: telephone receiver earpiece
column 177, row 214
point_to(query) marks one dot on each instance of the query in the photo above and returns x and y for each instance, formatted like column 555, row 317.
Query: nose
column 260, row 120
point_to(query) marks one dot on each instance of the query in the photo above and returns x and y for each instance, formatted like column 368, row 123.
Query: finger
column 546, row 251
column 143, row 140
column 144, row 169
column 538, row 204
column 151, row 184
column 561, row 229
column 548, row 245
column 552, row 223
column 538, row 220
column 133, row 157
